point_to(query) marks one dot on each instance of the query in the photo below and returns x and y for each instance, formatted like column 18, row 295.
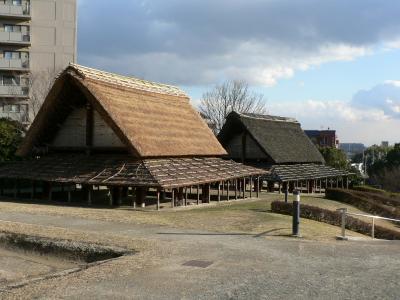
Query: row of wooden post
column 116, row 193
column 313, row 185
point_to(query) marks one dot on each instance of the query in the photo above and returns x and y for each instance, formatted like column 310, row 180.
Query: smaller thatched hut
column 279, row 146
column 100, row 132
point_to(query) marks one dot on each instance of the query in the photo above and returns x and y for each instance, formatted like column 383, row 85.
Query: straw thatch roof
column 124, row 170
column 284, row 173
column 281, row 140
column 151, row 119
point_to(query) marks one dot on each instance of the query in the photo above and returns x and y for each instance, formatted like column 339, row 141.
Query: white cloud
column 201, row 42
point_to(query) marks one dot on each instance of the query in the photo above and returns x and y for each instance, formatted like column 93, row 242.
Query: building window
column 10, row 80
column 11, row 108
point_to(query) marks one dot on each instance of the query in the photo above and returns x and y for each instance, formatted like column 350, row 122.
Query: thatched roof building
column 98, row 128
column 276, row 144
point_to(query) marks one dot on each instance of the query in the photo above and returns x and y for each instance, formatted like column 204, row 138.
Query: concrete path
column 241, row 266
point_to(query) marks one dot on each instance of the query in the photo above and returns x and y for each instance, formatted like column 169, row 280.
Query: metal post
column 343, row 211
column 296, row 214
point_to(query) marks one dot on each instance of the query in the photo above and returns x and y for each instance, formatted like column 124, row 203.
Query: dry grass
column 250, row 217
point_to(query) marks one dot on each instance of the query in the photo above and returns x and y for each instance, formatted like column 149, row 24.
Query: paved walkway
column 242, row 266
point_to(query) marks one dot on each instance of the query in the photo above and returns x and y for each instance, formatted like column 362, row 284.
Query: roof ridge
column 268, row 117
column 127, row 81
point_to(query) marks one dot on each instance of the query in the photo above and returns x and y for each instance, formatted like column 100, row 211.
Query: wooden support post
column 134, row 197
column 198, row 194
column 219, row 191
column 32, row 189
column 173, row 198
column 347, row 182
column 223, row 188
column 236, row 189
column 15, row 189
column 326, row 183
column 1, row 187
column 158, row 200
column 111, row 196
column 258, row 187
column 342, row 182
column 227, row 190
column 186, row 196
column 280, row 188
column 50, row 191
column 244, row 187
column 209, row 192
column 89, row 194
column 251, row 185
column 337, row 182
column 69, row 195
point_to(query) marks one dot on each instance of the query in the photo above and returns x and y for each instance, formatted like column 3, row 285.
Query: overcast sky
column 330, row 63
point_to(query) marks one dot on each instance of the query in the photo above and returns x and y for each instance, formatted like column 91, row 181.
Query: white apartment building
column 37, row 40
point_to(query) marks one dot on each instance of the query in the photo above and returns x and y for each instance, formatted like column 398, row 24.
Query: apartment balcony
column 14, row 91
column 15, row 38
column 14, row 64
column 16, row 116
column 15, row 11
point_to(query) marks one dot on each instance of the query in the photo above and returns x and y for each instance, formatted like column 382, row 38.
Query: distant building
column 323, row 138
column 385, row 144
column 37, row 40
column 352, row 149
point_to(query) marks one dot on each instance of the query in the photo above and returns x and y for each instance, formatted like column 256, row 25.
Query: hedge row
column 373, row 203
column 335, row 218
column 370, row 189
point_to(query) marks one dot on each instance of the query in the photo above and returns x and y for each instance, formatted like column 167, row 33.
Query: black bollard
column 296, row 214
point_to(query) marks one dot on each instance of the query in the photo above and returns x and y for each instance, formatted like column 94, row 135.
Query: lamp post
column 296, row 214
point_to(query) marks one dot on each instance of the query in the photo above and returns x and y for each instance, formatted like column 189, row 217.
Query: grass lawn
column 252, row 217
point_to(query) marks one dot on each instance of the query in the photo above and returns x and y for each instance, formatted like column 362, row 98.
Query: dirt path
column 241, row 266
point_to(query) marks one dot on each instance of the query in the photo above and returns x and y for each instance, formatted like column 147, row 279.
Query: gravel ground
column 243, row 265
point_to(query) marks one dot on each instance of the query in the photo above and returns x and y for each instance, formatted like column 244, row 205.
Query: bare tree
column 227, row 97
column 39, row 84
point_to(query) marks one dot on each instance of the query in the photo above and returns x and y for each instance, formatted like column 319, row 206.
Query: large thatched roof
column 281, row 139
column 151, row 119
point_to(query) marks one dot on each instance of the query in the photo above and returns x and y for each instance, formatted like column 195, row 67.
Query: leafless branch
column 227, row 97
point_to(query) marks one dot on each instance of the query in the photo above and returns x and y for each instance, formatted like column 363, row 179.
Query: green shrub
column 11, row 134
column 335, row 218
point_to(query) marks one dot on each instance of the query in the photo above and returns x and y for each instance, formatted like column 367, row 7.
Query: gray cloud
column 203, row 41
column 384, row 97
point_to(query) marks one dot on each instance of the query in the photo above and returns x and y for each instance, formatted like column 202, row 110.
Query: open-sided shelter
column 98, row 129
column 280, row 146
